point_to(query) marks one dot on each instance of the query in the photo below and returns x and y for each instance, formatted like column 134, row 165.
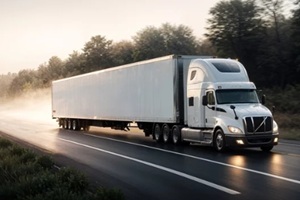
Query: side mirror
column 263, row 99
column 204, row 100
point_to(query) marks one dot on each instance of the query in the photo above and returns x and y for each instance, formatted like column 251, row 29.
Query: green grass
column 27, row 176
column 289, row 134
column 289, row 125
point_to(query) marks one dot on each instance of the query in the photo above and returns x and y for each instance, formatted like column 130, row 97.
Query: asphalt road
column 143, row 169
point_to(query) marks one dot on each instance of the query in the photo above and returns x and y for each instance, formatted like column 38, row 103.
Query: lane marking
column 202, row 159
column 178, row 173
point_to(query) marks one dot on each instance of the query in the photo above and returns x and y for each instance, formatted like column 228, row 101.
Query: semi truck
column 175, row 99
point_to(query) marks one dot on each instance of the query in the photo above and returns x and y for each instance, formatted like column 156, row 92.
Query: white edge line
column 203, row 159
column 204, row 182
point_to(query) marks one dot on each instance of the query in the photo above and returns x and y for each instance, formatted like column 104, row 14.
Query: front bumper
column 255, row 140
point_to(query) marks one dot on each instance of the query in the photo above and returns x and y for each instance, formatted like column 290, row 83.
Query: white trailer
column 149, row 91
column 172, row 98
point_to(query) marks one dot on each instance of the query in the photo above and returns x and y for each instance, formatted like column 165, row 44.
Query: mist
column 32, row 106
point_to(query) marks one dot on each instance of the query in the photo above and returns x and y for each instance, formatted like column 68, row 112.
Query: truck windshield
column 234, row 96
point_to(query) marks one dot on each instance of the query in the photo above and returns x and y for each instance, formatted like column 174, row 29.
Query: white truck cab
column 224, row 109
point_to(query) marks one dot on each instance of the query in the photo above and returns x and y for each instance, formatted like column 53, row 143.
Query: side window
column 193, row 74
column 210, row 98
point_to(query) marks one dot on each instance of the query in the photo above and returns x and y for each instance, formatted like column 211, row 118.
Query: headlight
column 275, row 127
column 235, row 130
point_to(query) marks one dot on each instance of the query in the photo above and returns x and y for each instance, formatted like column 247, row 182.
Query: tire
column 176, row 134
column 61, row 123
column 75, row 125
column 70, row 124
column 65, row 123
column 266, row 148
column 157, row 133
column 166, row 133
column 219, row 141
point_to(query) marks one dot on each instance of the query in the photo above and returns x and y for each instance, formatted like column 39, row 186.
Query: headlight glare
column 235, row 130
column 275, row 127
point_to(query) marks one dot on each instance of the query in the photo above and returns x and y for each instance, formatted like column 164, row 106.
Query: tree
column 98, row 54
column 178, row 39
column 205, row 47
column 56, row 68
column 154, row 42
column 295, row 34
column 5, row 82
column 75, row 64
column 237, row 31
column 122, row 52
column 276, row 56
column 23, row 82
column 52, row 71
column 148, row 44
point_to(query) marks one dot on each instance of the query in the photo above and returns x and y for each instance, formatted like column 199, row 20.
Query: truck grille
column 258, row 125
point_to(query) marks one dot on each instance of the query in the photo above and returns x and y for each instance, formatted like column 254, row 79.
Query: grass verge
column 289, row 125
column 290, row 134
column 26, row 175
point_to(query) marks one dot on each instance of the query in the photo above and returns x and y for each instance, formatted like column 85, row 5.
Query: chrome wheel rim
column 219, row 141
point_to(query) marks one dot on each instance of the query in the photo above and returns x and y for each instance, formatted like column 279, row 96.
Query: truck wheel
column 176, row 134
column 157, row 133
column 166, row 133
column 219, row 140
column 266, row 148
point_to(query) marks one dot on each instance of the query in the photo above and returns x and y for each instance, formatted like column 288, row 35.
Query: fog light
column 276, row 140
column 240, row 142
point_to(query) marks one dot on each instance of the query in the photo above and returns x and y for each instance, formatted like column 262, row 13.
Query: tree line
column 261, row 36
column 256, row 32
column 101, row 53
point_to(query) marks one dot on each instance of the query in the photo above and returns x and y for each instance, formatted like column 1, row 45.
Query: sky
column 32, row 31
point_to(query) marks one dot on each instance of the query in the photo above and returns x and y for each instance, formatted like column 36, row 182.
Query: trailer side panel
column 142, row 92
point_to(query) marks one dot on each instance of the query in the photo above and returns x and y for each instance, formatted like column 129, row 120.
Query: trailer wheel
column 176, row 134
column 166, row 133
column 157, row 133
column 219, row 140
column 75, row 125
column 60, row 122
column 65, row 123
column 70, row 124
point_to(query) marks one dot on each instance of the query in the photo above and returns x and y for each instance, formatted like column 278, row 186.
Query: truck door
column 210, row 109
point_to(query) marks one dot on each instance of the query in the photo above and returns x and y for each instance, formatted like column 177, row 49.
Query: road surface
column 143, row 169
